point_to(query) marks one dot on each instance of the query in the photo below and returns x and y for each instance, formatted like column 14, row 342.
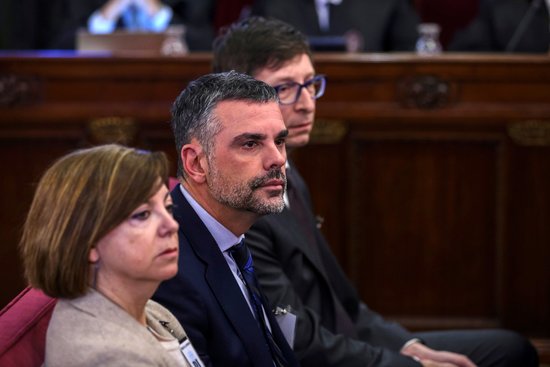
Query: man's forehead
column 239, row 114
column 294, row 68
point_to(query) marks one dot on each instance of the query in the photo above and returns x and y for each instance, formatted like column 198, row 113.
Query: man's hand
column 112, row 9
column 151, row 7
column 434, row 358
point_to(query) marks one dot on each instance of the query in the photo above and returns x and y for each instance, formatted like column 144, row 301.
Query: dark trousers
column 486, row 348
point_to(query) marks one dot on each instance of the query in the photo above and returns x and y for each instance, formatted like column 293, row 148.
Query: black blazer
column 206, row 299
column 495, row 24
column 293, row 271
column 385, row 25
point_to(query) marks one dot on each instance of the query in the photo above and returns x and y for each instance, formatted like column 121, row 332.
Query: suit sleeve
column 314, row 344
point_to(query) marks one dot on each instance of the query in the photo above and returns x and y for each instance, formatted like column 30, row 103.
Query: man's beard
column 244, row 195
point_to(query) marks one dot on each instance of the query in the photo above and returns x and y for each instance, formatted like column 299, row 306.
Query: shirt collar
column 223, row 236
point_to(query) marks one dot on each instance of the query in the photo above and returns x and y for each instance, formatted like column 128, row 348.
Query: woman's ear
column 194, row 162
column 93, row 256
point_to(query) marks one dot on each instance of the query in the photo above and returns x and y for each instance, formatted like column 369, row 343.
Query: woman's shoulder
column 80, row 334
column 160, row 315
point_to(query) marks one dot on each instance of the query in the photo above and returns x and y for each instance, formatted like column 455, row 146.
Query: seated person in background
column 156, row 16
column 362, row 25
column 230, row 137
column 506, row 25
column 293, row 261
column 54, row 24
column 100, row 236
column 135, row 15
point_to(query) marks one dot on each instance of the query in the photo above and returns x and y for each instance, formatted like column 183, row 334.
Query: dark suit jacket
column 293, row 271
column 206, row 299
column 495, row 24
column 386, row 25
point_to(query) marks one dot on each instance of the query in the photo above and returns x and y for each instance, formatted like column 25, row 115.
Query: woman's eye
column 141, row 215
column 170, row 208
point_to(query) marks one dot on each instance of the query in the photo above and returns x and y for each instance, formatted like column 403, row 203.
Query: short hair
column 193, row 110
column 256, row 43
column 80, row 199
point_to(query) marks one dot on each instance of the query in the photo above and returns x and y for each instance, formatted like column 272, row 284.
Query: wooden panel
column 527, row 232
column 23, row 161
column 426, row 219
column 431, row 173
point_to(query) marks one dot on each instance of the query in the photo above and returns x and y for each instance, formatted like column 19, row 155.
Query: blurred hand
column 434, row 358
column 151, row 7
column 113, row 8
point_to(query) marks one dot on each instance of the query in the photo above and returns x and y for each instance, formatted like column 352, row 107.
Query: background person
column 100, row 236
column 53, row 25
column 157, row 16
column 370, row 25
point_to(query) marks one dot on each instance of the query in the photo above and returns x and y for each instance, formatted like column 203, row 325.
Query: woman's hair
column 80, row 198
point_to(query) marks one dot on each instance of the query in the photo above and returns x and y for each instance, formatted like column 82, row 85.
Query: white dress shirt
column 323, row 13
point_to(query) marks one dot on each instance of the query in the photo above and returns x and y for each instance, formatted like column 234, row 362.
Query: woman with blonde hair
column 100, row 237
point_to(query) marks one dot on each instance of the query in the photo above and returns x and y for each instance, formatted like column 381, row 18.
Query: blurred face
column 246, row 169
column 299, row 116
column 143, row 248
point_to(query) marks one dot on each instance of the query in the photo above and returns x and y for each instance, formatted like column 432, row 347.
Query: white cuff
column 411, row 342
column 99, row 24
column 161, row 19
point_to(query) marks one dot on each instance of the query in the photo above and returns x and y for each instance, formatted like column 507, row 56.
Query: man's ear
column 194, row 162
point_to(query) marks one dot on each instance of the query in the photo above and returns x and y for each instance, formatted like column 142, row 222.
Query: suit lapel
column 289, row 220
column 220, row 279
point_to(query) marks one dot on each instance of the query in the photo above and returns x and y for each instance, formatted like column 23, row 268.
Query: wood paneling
column 432, row 174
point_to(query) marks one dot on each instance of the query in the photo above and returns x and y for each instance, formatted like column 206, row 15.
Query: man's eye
column 250, row 144
column 284, row 88
column 141, row 215
column 280, row 142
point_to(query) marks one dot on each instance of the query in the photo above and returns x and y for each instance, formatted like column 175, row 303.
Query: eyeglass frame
column 320, row 77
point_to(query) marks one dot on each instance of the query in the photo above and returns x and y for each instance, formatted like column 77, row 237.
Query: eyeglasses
column 290, row 92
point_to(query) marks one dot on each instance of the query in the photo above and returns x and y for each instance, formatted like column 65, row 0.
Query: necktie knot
column 242, row 256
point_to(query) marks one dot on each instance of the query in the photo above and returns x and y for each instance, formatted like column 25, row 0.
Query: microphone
column 525, row 21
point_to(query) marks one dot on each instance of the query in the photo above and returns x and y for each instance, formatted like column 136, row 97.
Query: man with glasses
column 292, row 259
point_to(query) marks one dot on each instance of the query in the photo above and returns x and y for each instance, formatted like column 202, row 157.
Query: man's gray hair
column 193, row 111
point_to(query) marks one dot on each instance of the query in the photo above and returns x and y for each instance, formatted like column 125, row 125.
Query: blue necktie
column 243, row 258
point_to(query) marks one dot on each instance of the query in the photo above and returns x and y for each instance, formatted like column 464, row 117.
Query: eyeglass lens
column 290, row 92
